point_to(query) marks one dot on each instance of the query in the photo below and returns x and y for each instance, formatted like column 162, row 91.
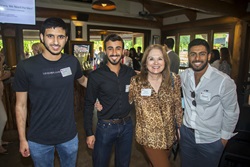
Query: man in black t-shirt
column 48, row 80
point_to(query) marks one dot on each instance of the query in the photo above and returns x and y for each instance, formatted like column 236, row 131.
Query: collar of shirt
column 207, row 74
column 169, row 51
column 106, row 68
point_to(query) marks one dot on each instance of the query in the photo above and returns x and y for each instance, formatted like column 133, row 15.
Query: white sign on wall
column 17, row 11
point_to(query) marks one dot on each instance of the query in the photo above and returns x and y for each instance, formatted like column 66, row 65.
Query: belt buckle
column 116, row 121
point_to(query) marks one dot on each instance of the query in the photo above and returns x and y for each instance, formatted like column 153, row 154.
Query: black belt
column 117, row 120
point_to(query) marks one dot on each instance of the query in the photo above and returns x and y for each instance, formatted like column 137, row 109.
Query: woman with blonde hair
column 37, row 48
column 157, row 98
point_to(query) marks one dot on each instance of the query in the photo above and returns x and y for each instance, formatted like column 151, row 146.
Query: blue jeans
column 198, row 155
column 43, row 155
column 109, row 134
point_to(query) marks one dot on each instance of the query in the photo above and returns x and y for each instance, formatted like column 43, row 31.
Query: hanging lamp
column 104, row 5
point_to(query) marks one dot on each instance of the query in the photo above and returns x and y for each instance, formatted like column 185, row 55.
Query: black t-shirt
column 50, row 86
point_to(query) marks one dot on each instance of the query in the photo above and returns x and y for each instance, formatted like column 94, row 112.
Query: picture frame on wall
column 77, row 48
column 83, row 51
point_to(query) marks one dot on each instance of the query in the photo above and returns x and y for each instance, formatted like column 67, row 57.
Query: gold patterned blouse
column 156, row 113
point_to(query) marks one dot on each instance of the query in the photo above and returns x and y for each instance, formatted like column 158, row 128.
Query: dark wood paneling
column 94, row 17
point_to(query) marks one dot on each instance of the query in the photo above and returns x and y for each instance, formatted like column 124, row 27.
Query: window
column 1, row 42
column 220, row 40
column 29, row 38
column 201, row 36
column 183, row 50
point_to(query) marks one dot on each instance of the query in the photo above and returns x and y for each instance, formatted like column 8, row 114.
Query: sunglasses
column 193, row 96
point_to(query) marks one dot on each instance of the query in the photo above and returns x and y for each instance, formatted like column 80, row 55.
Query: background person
column 225, row 61
column 157, row 97
column 136, row 63
column 174, row 58
column 48, row 80
column 110, row 85
column 126, row 59
column 4, row 74
column 139, row 54
column 37, row 48
column 211, row 109
column 215, row 56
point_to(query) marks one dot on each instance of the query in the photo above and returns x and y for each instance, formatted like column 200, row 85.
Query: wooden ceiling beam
column 94, row 17
column 210, row 6
column 201, row 23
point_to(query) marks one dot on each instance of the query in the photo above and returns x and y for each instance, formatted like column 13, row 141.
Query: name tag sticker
column 146, row 92
column 205, row 96
column 127, row 88
column 66, row 71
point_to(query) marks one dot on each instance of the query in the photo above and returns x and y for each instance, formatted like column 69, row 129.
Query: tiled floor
column 14, row 158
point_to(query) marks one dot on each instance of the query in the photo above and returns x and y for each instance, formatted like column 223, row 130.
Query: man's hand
column 224, row 142
column 90, row 141
column 24, row 148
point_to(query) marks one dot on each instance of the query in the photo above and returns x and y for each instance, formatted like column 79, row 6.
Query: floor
column 14, row 158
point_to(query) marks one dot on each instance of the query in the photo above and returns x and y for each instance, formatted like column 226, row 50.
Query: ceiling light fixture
column 104, row 5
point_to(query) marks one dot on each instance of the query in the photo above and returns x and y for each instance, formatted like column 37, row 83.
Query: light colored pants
column 3, row 119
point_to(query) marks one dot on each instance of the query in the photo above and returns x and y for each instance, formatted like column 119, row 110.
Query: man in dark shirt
column 174, row 58
column 110, row 85
column 139, row 54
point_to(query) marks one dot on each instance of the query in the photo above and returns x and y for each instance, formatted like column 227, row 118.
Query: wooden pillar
column 9, row 40
column 238, row 49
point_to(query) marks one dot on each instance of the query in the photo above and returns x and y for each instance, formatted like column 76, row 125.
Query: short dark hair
column 198, row 41
column 53, row 22
column 169, row 42
column 113, row 38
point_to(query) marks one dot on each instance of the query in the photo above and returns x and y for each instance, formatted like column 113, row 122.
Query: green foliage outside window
column 184, row 41
column 98, row 43
column 1, row 44
column 27, row 46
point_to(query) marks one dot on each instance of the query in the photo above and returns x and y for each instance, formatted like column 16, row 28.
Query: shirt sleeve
column 230, row 108
column 79, row 72
column 21, row 83
column 90, row 99
column 178, row 107
column 131, row 90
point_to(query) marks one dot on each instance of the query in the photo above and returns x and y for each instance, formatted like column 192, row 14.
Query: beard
column 47, row 48
column 198, row 69
column 114, row 62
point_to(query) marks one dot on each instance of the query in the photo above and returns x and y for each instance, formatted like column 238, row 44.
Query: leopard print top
column 156, row 114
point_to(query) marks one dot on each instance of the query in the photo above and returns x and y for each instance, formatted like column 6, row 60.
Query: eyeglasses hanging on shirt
column 193, row 96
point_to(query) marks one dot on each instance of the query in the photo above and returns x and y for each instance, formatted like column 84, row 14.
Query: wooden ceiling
column 157, row 10
column 167, row 8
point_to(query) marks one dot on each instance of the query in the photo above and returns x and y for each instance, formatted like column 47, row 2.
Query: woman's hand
column 98, row 106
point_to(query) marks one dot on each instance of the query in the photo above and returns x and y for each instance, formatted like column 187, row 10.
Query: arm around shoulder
column 178, row 106
column 83, row 81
